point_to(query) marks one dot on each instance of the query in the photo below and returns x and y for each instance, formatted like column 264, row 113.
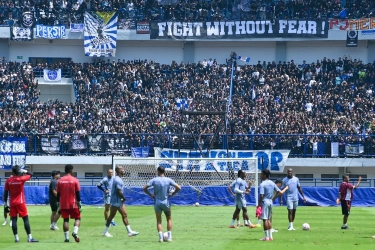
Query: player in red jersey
column 69, row 201
column 346, row 197
column 14, row 187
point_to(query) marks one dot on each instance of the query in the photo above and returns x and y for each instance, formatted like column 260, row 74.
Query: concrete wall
column 193, row 51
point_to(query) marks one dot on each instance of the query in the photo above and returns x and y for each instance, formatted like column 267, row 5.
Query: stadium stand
column 327, row 100
column 66, row 12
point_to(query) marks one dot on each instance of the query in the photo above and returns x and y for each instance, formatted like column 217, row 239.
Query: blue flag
column 245, row 59
column 343, row 14
column 182, row 103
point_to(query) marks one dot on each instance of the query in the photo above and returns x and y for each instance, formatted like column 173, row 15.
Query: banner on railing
column 109, row 143
column 21, row 34
column 334, row 149
column 100, row 34
column 52, row 75
column 117, row 143
column 50, row 32
column 352, row 38
column 141, row 152
column 78, row 145
column 239, row 29
column 143, row 27
column 354, row 149
column 352, row 24
column 126, row 24
column 50, row 144
column 96, row 143
column 12, row 152
column 76, row 27
column 274, row 160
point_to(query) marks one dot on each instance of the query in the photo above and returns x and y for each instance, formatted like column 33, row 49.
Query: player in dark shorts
column 53, row 199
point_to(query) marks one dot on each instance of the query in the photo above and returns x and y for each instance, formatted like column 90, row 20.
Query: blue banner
column 142, row 152
column 12, row 152
column 50, row 32
column 100, row 34
column 274, row 160
column 368, row 32
column 76, row 27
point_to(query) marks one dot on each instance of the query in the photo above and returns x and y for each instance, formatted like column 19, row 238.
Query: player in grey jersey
column 105, row 185
column 161, row 195
column 292, row 196
column 241, row 188
column 266, row 197
column 117, row 204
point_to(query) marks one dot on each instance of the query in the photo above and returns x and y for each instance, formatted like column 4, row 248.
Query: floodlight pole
column 230, row 95
column 233, row 57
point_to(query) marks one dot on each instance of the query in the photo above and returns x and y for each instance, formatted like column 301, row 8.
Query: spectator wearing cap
column 55, row 215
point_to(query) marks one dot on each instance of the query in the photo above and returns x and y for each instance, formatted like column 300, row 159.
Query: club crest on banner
column 27, row 19
column 21, row 34
column 52, row 75
column 100, row 34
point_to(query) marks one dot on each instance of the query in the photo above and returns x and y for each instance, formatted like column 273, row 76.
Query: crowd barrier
column 346, row 145
column 213, row 196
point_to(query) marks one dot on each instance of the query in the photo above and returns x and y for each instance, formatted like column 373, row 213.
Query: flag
column 352, row 38
column 245, row 59
column 182, row 103
column 52, row 75
column 343, row 14
column 253, row 96
column 100, row 34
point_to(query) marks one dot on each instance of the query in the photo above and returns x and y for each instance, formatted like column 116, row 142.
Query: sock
column 16, row 237
column 259, row 221
column 170, row 235
column 232, row 223
column 291, row 224
column 29, row 236
column 66, row 235
column 5, row 219
column 265, row 234
column 105, row 230
column 270, row 233
column 53, row 223
column 249, row 222
column 160, row 235
column 128, row 228
column 75, row 230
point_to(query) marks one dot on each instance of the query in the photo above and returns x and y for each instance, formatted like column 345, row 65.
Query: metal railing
column 65, row 72
column 300, row 145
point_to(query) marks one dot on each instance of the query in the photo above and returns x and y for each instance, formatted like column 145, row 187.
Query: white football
column 165, row 236
column 197, row 204
column 171, row 190
column 305, row 226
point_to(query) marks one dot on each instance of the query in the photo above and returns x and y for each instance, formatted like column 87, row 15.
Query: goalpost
column 195, row 173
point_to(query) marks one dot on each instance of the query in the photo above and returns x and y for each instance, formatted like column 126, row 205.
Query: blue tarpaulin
column 215, row 196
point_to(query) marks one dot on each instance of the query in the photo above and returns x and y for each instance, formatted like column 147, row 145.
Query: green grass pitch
column 203, row 227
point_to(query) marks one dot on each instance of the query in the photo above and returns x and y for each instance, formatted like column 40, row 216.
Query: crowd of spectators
column 65, row 11
column 328, row 100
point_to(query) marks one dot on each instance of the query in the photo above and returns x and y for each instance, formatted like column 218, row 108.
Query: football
column 165, row 236
column 305, row 226
column 197, row 204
